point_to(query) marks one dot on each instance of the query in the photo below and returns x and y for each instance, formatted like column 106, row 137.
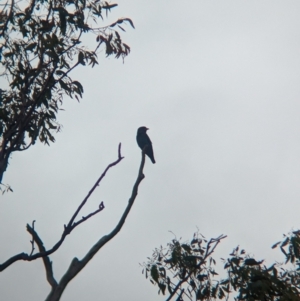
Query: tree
column 40, row 45
column 186, row 271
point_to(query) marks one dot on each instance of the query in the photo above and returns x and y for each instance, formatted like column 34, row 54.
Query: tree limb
column 46, row 259
column 178, row 286
column 67, row 229
column 77, row 265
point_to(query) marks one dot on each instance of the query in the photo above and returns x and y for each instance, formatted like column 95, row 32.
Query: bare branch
column 84, row 218
column 77, row 265
column 95, row 186
column 6, row 187
column 32, row 241
column 216, row 241
column 46, row 259
column 67, row 229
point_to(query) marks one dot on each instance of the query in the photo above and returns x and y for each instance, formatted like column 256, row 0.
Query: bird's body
column 142, row 140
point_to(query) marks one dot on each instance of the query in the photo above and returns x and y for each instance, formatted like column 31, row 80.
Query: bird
column 142, row 140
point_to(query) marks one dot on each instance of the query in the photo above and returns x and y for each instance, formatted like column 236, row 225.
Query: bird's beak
column 147, row 129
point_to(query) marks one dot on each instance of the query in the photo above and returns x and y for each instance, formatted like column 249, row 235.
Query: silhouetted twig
column 32, row 241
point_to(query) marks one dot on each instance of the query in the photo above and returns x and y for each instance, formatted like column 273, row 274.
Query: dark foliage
column 41, row 44
column 186, row 271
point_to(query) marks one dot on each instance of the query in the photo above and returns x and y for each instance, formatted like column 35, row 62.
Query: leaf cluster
column 39, row 47
column 186, row 271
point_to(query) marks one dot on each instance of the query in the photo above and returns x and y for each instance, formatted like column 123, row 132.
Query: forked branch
column 67, row 228
column 77, row 265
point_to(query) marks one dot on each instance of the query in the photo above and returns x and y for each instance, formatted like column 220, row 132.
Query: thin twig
column 32, row 241
column 96, row 185
column 46, row 259
column 84, row 218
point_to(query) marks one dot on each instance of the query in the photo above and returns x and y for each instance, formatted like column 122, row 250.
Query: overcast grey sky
column 217, row 83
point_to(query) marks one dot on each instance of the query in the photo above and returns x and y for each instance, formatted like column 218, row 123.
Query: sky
column 217, row 84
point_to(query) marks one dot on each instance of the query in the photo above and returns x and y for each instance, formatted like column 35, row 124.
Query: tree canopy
column 187, row 271
column 41, row 43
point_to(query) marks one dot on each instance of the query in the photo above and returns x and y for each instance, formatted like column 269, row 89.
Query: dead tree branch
column 67, row 228
column 77, row 265
column 46, row 259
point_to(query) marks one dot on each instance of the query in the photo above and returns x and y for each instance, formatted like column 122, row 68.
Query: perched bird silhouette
column 142, row 140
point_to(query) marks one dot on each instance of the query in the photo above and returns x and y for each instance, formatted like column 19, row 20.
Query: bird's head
column 142, row 130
